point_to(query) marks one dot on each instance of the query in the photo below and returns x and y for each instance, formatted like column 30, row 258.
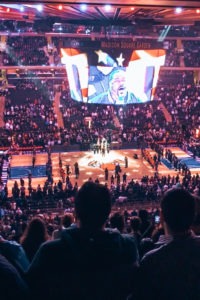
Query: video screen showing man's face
column 109, row 87
column 101, row 76
column 117, row 85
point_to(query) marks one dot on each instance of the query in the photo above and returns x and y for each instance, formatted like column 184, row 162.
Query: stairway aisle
column 116, row 122
column 2, row 109
column 4, row 176
column 167, row 115
column 57, row 110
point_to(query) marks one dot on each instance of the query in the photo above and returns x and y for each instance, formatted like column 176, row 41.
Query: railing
column 168, row 142
column 22, row 149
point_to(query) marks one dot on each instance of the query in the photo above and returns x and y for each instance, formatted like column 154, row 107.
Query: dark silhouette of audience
column 12, row 285
column 173, row 270
column 34, row 235
column 88, row 262
column 15, row 254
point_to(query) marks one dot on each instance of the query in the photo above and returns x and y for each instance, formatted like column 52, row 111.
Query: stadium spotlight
column 83, row 7
column 39, row 7
column 178, row 10
column 21, row 8
column 107, row 7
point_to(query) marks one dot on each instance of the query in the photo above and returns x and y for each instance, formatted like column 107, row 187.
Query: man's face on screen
column 118, row 88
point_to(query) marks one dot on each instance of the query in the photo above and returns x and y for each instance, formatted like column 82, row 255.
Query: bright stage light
column 39, row 7
column 107, row 7
column 83, row 7
column 178, row 10
column 89, row 173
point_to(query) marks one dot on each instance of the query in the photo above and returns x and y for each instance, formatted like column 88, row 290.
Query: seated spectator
column 173, row 270
column 12, row 285
column 34, row 235
column 66, row 222
column 15, row 254
column 146, row 227
column 117, row 222
column 135, row 224
column 196, row 223
column 88, row 262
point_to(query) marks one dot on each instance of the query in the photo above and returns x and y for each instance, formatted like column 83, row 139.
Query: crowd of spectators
column 32, row 101
column 38, row 51
column 30, row 120
column 181, row 31
column 25, row 51
column 29, row 115
column 149, row 190
column 40, row 26
column 191, row 50
column 172, row 55
column 60, row 195
column 182, row 101
column 168, row 78
column 25, row 232
column 15, row 26
column 178, row 99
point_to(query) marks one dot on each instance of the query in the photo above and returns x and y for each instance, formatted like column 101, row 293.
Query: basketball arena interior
column 97, row 92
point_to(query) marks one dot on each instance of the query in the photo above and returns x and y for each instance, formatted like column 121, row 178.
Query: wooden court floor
column 91, row 165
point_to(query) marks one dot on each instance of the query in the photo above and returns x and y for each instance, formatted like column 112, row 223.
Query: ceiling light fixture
column 107, row 7
column 178, row 10
column 39, row 7
column 83, row 7
column 21, row 8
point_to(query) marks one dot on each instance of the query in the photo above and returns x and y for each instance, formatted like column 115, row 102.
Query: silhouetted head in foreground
column 178, row 210
column 93, row 205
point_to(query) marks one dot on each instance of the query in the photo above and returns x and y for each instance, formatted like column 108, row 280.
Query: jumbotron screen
column 112, row 76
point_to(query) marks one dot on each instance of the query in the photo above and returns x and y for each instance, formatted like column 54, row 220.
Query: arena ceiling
column 122, row 12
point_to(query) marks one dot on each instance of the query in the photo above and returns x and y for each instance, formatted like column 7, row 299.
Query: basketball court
column 92, row 165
